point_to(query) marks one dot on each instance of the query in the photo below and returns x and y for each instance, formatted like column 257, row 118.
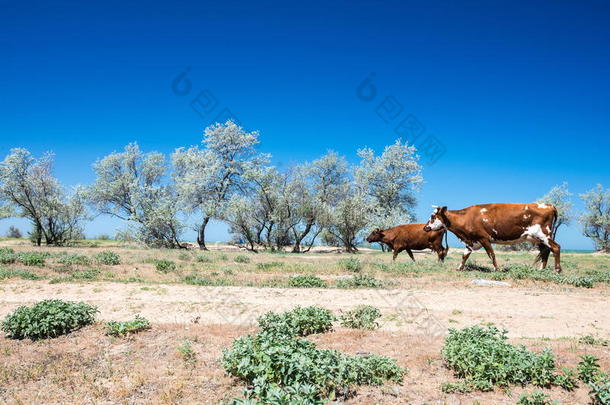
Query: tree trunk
column 201, row 234
column 299, row 239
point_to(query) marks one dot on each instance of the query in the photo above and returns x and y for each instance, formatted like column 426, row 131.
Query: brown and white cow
column 484, row 224
column 410, row 237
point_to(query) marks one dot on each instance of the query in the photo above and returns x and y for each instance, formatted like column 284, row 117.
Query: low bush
column 298, row 322
column 89, row 274
column 484, row 358
column 165, row 266
column 268, row 265
column 108, row 258
column 23, row 274
column 359, row 281
column 7, row 256
column 350, row 264
column 600, row 390
column 456, row 387
column 361, row 317
column 32, row 258
column 73, row 259
column 588, row 368
column 48, row 319
column 126, row 328
column 283, row 370
column 196, row 279
column 593, row 341
column 203, row 259
column 535, row 398
column 306, row 281
column 241, row 259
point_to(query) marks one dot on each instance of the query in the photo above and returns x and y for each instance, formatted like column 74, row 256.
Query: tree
column 596, row 219
column 29, row 186
column 559, row 196
column 349, row 217
column 239, row 213
column 14, row 232
column 206, row 179
column 129, row 185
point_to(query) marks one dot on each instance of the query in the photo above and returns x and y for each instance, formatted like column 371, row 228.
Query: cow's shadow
column 478, row 267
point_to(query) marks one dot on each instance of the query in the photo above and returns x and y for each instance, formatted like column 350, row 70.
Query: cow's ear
column 444, row 210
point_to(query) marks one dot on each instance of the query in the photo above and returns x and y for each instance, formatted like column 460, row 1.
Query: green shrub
column 241, row 259
column 89, row 274
column 306, row 281
column 350, row 264
column 196, row 279
column 593, row 341
column 203, row 259
column 187, row 353
column 298, row 322
column 7, row 256
column 23, row 274
column 32, row 258
column 108, row 258
column 127, row 327
column 268, row 265
column 73, row 259
column 48, row 319
column 588, row 368
column 184, row 256
column 535, row 398
column 485, row 358
column 456, row 387
column 284, row 370
column 361, row 317
column 165, row 266
column 359, row 281
column 600, row 390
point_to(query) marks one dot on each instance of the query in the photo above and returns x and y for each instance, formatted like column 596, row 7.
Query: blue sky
column 518, row 93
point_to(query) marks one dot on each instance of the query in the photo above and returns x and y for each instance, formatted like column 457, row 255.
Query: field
column 199, row 302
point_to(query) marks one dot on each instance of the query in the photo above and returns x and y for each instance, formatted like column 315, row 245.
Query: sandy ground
column 524, row 312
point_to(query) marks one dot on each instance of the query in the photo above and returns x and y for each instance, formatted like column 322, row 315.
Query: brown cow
column 484, row 224
column 407, row 237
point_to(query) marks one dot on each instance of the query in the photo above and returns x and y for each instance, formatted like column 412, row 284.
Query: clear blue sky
column 517, row 92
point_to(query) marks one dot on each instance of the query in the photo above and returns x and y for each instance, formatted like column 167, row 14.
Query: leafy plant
column 268, row 265
column 456, row 387
column 23, row 274
column 204, row 259
column 485, row 358
column 126, row 328
column 187, row 353
column 108, row 258
column 298, row 322
column 535, row 398
column 588, row 368
column 73, row 259
column 306, row 281
column 361, row 317
column 48, row 319
column 286, row 370
column 165, row 266
column 89, row 274
column 600, row 390
column 593, row 341
column 350, row 264
column 7, row 256
column 359, row 281
column 32, row 258
column 241, row 259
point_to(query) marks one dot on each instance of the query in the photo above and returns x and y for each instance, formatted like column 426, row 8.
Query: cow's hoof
column 559, row 270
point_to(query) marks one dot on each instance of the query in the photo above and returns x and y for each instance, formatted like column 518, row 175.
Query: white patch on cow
column 526, row 216
column 436, row 225
column 485, row 220
column 543, row 205
column 548, row 229
column 483, row 210
column 494, row 231
column 526, row 208
column 535, row 233
column 467, row 251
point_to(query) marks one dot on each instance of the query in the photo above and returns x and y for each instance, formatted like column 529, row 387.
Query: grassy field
column 204, row 300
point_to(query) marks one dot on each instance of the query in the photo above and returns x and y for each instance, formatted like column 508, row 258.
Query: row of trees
column 227, row 179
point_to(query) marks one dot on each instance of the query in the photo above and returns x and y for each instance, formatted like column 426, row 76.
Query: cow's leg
column 490, row 252
column 396, row 252
column 556, row 249
column 410, row 254
column 543, row 256
column 465, row 257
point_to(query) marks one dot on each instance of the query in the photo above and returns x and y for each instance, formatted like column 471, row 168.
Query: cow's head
column 438, row 220
column 375, row 236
